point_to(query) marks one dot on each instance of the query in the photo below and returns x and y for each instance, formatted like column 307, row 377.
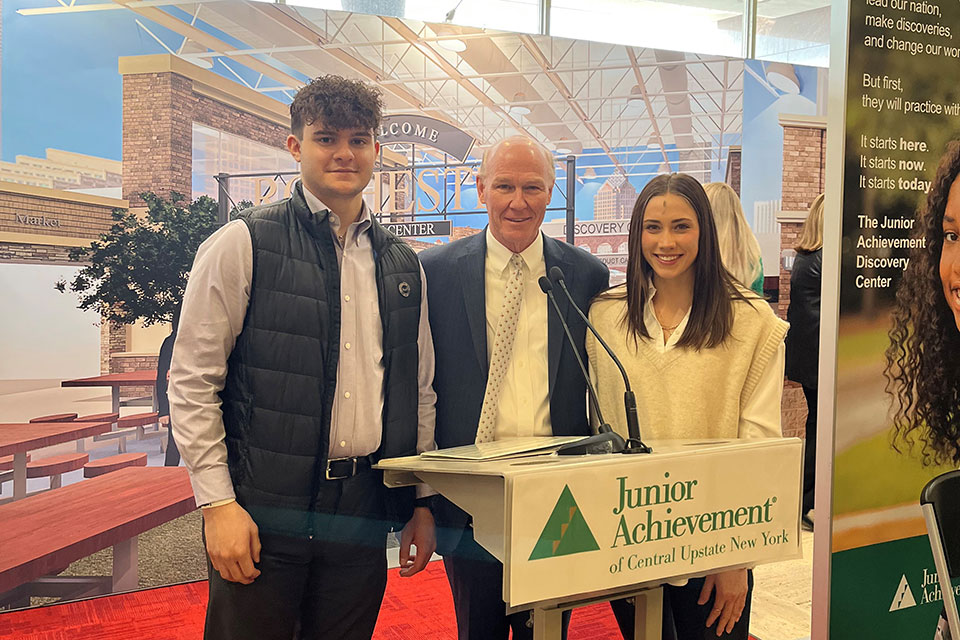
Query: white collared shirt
column 760, row 414
column 524, row 405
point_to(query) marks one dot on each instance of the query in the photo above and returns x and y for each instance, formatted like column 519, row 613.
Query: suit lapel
column 556, row 340
column 471, row 266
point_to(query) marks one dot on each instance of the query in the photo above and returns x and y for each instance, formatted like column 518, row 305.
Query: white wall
column 42, row 333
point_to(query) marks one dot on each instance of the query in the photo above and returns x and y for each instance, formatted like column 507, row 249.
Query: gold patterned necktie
column 502, row 349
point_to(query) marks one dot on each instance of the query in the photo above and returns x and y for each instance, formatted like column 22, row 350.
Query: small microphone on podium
column 607, row 440
column 634, row 444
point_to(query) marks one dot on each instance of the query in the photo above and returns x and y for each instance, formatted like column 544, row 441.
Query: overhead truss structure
column 578, row 97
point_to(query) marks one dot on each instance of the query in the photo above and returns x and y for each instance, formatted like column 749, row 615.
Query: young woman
column 682, row 324
column 923, row 372
column 922, row 369
column 739, row 249
column 803, row 339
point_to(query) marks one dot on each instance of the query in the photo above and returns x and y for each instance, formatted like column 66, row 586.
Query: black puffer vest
column 281, row 375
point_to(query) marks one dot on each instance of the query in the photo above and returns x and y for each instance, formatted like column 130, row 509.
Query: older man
column 503, row 366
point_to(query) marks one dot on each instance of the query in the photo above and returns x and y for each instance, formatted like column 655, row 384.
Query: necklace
column 665, row 327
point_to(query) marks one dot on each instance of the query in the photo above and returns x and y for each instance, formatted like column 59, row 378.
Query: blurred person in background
column 172, row 455
column 739, row 248
column 803, row 339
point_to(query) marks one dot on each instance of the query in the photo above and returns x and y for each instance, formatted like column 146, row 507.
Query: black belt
column 343, row 468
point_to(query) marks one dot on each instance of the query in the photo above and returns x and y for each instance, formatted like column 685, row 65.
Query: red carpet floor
column 418, row 608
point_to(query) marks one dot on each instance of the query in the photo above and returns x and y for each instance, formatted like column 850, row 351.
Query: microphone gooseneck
column 607, row 440
column 635, row 443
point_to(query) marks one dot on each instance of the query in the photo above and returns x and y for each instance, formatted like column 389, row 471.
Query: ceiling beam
column 287, row 18
column 104, row 6
column 646, row 99
column 204, row 39
column 431, row 54
column 537, row 54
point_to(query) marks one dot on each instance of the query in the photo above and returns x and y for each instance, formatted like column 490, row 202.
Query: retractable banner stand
column 893, row 359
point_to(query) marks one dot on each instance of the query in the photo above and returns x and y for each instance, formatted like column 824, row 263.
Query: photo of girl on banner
column 922, row 373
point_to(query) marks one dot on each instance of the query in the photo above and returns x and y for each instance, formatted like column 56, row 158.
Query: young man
column 303, row 356
column 504, row 367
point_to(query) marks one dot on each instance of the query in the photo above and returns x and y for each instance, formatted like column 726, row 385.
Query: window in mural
column 220, row 152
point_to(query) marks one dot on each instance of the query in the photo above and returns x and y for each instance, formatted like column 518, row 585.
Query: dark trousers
column 683, row 618
column 476, row 580
column 328, row 587
column 810, row 450
column 172, row 456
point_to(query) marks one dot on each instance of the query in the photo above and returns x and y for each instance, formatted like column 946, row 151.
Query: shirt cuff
column 212, row 485
column 218, row 503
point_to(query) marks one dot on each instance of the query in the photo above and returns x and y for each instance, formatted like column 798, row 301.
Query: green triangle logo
column 566, row 531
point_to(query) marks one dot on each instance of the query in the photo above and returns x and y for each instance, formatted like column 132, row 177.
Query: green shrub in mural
column 138, row 270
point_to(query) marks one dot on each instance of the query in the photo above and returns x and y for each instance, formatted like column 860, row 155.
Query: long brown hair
column 711, row 315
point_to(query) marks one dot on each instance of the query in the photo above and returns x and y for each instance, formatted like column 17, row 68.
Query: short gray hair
column 536, row 144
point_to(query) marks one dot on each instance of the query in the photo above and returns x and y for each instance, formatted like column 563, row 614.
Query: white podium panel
column 568, row 526
column 686, row 509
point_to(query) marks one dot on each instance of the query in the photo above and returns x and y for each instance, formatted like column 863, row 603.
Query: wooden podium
column 572, row 530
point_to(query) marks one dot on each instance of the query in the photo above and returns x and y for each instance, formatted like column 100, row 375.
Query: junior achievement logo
column 566, row 531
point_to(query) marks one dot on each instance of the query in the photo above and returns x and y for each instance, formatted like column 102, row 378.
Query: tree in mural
column 137, row 271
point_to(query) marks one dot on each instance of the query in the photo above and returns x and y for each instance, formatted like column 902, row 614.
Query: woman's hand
column 731, row 596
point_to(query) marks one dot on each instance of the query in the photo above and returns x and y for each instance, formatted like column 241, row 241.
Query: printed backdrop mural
column 900, row 116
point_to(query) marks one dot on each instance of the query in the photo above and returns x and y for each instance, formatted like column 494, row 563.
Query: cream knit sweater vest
column 683, row 393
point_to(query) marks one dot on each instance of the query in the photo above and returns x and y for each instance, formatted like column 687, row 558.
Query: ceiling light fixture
column 453, row 44
column 519, row 109
column 783, row 76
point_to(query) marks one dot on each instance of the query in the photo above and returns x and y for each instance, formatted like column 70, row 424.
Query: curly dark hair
column 922, row 369
column 337, row 102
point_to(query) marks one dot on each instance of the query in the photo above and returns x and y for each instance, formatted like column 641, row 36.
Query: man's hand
column 731, row 587
column 233, row 542
column 421, row 532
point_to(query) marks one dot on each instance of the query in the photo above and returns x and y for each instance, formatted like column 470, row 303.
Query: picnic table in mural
column 116, row 381
column 20, row 438
column 44, row 533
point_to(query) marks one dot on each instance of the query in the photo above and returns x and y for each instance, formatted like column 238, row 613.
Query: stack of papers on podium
column 509, row 448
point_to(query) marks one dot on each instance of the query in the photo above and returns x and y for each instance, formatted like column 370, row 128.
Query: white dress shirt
column 524, row 405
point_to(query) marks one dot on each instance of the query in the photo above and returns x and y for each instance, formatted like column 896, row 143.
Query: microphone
column 634, row 443
column 607, row 440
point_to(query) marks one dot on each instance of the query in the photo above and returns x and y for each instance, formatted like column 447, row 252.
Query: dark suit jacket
column 803, row 314
column 455, row 289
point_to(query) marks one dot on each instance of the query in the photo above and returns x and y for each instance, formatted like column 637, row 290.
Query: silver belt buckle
column 353, row 471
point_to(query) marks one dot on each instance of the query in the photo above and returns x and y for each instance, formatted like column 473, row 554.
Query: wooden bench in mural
column 57, row 417
column 101, row 466
column 46, row 532
column 54, row 467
